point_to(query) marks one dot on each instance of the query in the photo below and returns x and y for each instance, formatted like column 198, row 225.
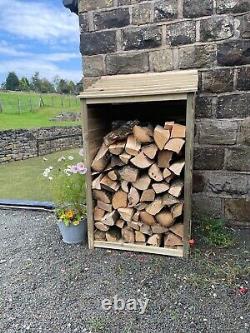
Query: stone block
column 232, row 6
column 244, row 26
column 127, row 63
column 87, row 5
column 244, row 134
column 235, row 53
column 226, row 184
column 217, row 132
column 93, row 65
column 204, row 106
column 233, row 106
column 218, row 80
column 114, row 18
column 198, row 182
column 141, row 38
column 98, row 42
column 83, row 23
column 209, row 158
column 238, row 210
column 243, row 78
column 197, row 56
column 162, row 60
column 88, row 81
column 203, row 206
column 194, row 8
column 238, row 159
column 142, row 14
column 181, row 33
column 165, row 10
column 216, row 28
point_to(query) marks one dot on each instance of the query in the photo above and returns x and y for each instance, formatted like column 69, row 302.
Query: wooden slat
column 139, row 248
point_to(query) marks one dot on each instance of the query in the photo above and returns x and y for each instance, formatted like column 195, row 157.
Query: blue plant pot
column 74, row 234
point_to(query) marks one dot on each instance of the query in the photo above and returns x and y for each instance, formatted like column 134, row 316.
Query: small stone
column 141, row 38
column 216, row 28
column 194, row 8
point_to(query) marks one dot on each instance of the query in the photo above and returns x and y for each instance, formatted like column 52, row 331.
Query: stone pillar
column 129, row 36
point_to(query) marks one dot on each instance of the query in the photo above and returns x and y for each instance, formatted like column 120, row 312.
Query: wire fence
column 30, row 102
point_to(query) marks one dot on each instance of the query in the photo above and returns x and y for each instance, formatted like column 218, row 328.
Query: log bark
column 164, row 158
column 161, row 136
column 116, row 162
column 132, row 147
column 104, row 206
column 101, row 226
column 99, row 235
column 110, row 218
column 96, row 183
column 121, row 133
column 101, row 160
column 146, row 229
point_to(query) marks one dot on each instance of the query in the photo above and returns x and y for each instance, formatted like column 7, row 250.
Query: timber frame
column 138, row 88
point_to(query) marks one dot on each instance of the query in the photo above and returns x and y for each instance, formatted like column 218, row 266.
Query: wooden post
column 18, row 105
column 190, row 119
column 1, row 107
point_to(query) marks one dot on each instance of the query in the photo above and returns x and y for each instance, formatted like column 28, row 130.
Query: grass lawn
column 24, row 179
column 21, row 110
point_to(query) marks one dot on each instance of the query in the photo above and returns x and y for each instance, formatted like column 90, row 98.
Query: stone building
column 136, row 36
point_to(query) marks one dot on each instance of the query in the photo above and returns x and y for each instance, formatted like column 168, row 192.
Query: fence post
column 1, row 107
column 31, row 107
column 18, row 105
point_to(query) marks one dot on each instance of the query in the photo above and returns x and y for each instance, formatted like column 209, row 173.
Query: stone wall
column 21, row 144
column 134, row 36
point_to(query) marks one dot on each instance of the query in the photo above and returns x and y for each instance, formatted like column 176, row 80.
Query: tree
column 46, row 86
column 24, row 84
column 36, row 82
column 12, row 81
column 63, row 87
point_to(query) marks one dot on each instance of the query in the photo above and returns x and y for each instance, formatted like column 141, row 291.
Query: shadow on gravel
column 47, row 286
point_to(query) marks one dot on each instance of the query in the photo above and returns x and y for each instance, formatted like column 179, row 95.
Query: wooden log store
column 138, row 132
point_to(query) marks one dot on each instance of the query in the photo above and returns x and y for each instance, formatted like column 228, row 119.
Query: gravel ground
column 47, row 286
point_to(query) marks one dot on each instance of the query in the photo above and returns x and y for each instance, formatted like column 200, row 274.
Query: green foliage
column 212, row 232
column 12, row 81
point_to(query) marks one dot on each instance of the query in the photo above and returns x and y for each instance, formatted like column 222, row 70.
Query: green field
column 23, row 110
column 23, row 179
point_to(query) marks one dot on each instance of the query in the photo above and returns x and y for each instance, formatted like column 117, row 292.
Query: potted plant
column 67, row 185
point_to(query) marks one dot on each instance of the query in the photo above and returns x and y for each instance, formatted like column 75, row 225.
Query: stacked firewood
column 138, row 185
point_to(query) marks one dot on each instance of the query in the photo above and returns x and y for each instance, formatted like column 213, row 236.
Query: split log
column 148, row 195
column 140, row 237
column 110, row 218
column 126, row 214
column 136, row 217
column 113, row 235
column 104, row 206
column 178, row 131
column 147, row 218
column 141, row 161
column 109, row 185
column 135, row 225
column 121, row 133
column 155, row 207
column 143, row 134
column 165, row 218
column 99, row 235
column 178, row 229
column 101, row 160
column 146, row 229
column 128, row 173
column 164, row 158
column 116, row 161
column 102, row 196
column 124, row 186
column 142, row 183
column 101, row 226
column 98, row 214
column 96, row 183
column 169, row 200
column 120, row 200
column 176, row 188
column 108, row 167
column 155, row 173
column 125, row 158
column 166, row 173
column 128, row 235
column 117, row 148
column 141, row 206
column 177, row 167
column 161, row 136
column 177, row 210
column 154, row 240
column 132, row 146
column 175, row 145
column 160, row 187
column 133, row 197
column 150, row 151
column 120, row 223
column 169, row 125
column 158, row 229
column 172, row 240
column 113, row 175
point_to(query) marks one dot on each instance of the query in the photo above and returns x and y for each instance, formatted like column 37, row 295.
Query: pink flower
column 74, row 169
column 81, row 168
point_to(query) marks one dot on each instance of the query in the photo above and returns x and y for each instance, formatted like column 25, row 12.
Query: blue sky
column 39, row 35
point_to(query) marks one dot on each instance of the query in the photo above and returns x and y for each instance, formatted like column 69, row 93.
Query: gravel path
column 47, row 286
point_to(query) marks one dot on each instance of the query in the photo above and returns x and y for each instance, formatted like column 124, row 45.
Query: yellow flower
column 62, row 216
column 76, row 222
column 69, row 214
